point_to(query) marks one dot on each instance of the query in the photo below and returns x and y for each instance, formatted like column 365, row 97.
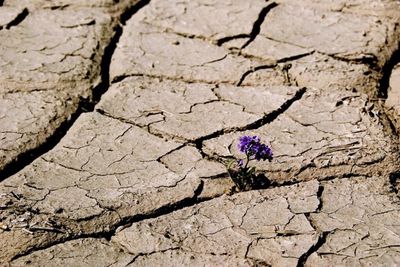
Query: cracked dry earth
column 117, row 119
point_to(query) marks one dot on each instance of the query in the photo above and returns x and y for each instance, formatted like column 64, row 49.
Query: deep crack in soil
column 257, row 24
column 88, row 106
column 18, row 19
column 126, row 222
column 85, row 105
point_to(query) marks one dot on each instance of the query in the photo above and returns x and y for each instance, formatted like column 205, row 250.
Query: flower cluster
column 245, row 177
column 252, row 147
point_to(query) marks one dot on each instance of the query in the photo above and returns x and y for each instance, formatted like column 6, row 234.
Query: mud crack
column 268, row 118
column 394, row 180
column 126, row 222
column 257, row 24
column 255, row 30
column 387, row 72
column 314, row 248
column 247, row 73
column 85, row 105
column 18, row 19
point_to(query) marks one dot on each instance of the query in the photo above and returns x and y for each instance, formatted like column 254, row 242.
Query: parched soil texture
column 118, row 119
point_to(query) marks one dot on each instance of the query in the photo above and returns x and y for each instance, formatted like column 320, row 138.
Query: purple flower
column 251, row 146
column 263, row 152
column 246, row 143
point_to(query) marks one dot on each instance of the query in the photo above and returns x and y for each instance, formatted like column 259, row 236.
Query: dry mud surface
column 117, row 119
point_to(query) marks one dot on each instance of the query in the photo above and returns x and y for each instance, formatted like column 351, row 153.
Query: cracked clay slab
column 360, row 218
column 140, row 181
column 343, row 35
column 377, row 8
column 256, row 225
column 323, row 134
column 86, row 252
column 239, row 230
column 150, row 51
column 53, row 46
column 108, row 170
column 27, row 119
column 48, row 63
column 191, row 111
column 318, row 71
column 224, row 18
column 339, row 222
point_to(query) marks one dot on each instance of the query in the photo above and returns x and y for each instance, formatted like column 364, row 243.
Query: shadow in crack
column 21, row 17
column 246, row 182
column 85, row 105
column 394, row 179
column 387, row 73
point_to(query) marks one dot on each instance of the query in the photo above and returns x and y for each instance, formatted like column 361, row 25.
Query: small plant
column 244, row 176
